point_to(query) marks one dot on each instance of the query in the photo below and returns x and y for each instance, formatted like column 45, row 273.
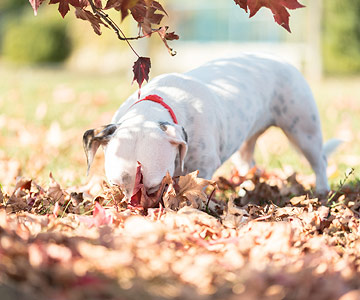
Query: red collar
column 158, row 99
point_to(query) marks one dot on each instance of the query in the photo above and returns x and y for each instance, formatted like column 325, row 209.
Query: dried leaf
column 191, row 192
column 100, row 216
column 55, row 192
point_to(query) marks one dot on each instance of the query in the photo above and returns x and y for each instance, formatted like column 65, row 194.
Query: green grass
column 33, row 100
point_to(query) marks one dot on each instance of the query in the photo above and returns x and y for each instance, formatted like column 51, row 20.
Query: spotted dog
column 203, row 117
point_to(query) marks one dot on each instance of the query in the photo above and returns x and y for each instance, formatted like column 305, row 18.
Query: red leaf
column 64, row 5
column 100, row 217
column 278, row 8
column 136, row 197
column 95, row 20
column 35, row 5
column 242, row 4
column 146, row 14
column 141, row 70
column 170, row 36
column 139, row 12
column 158, row 6
column 121, row 5
column 98, row 4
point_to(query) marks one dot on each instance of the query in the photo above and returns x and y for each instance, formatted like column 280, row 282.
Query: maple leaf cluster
column 279, row 8
column 149, row 13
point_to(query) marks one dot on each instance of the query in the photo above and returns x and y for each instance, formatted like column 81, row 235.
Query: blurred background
column 58, row 78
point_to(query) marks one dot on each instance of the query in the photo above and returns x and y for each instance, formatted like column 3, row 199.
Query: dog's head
column 157, row 146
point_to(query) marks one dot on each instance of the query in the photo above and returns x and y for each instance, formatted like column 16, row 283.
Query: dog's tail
column 330, row 146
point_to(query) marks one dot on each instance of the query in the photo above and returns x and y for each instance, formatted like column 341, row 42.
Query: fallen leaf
column 191, row 192
column 100, row 216
column 55, row 192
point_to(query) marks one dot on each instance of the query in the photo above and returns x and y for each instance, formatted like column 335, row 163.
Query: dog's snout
column 125, row 178
column 153, row 189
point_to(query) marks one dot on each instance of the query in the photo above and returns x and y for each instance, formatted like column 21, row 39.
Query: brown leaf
column 55, row 192
column 1, row 196
column 298, row 200
column 121, row 5
column 169, row 197
column 191, row 192
column 22, row 183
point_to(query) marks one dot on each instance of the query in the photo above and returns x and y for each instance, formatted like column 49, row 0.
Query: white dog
column 206, row 116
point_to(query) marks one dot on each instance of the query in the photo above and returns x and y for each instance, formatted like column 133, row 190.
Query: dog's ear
column 177, row 136
column 93, row 138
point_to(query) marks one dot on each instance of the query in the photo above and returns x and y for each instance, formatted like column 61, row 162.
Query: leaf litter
column 261, row 236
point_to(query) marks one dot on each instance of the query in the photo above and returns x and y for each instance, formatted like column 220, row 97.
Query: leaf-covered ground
column 276, row 241
column 57, row 241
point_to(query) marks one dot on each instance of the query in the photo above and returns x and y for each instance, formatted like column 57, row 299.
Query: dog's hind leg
column 243, row 159
column 309, row 142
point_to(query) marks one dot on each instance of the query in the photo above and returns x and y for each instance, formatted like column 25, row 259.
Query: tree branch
column 105, row 17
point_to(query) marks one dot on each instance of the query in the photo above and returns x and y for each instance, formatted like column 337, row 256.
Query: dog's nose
column 127, row 191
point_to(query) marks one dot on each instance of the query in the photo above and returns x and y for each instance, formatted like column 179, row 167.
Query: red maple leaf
column 121, row 5
column 278, row 7
column 146, row 14
column 141, row 70
column 64, row 5
column 92, row 18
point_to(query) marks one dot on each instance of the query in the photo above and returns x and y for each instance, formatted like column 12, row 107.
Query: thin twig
column 347, row 175
column 209, row 198
column 120, row 34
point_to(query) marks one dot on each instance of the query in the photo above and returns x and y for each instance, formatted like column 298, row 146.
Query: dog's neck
column 159, row 100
